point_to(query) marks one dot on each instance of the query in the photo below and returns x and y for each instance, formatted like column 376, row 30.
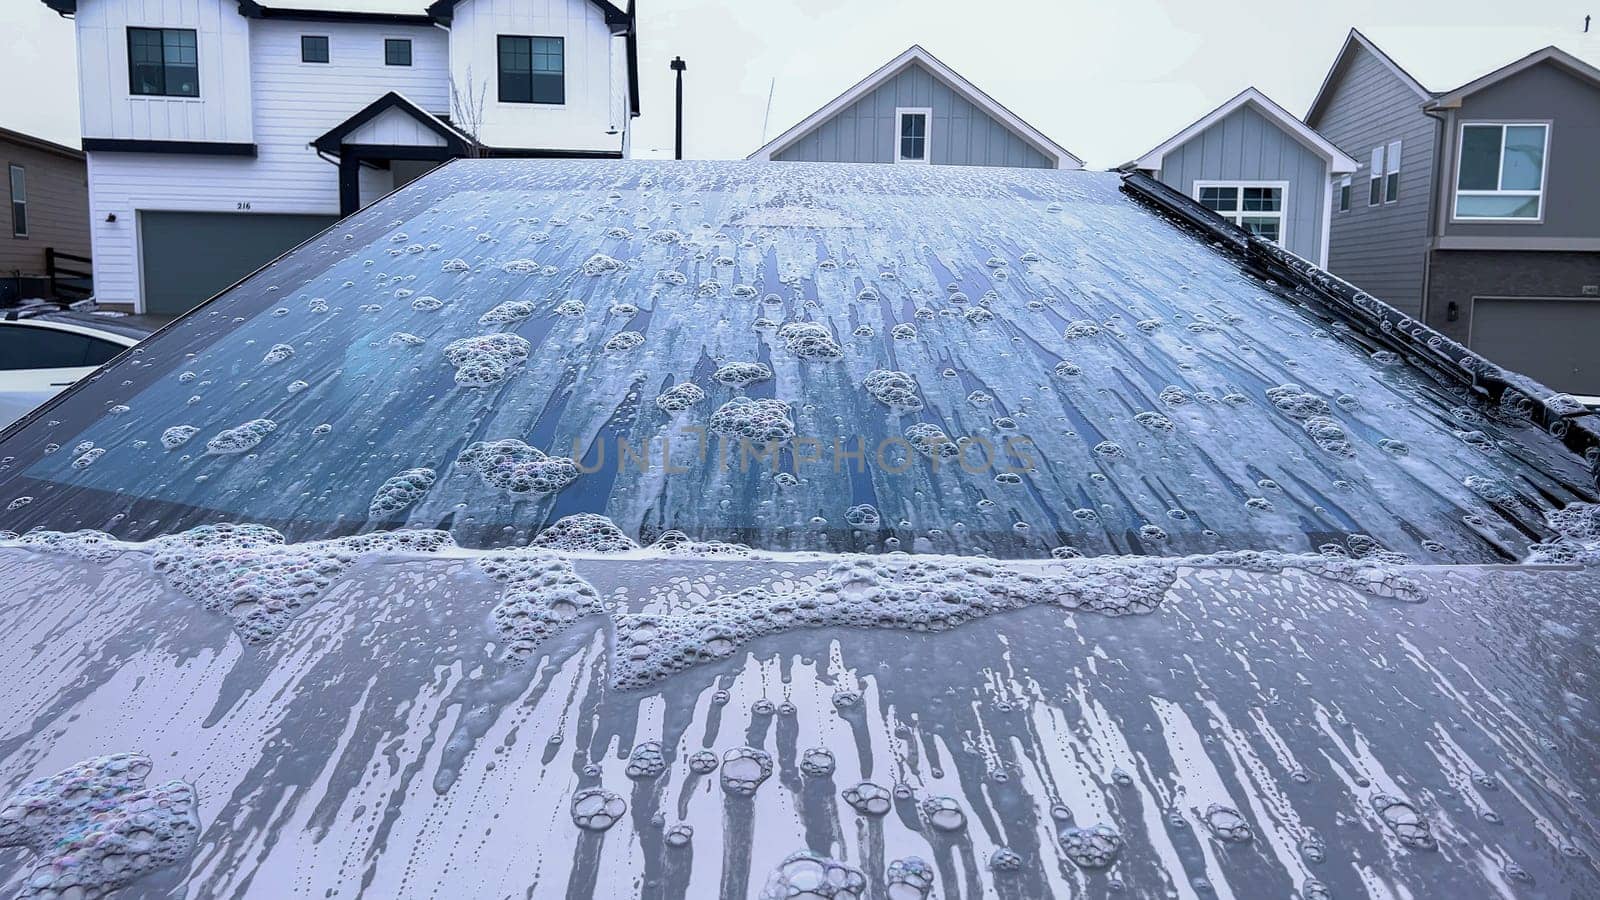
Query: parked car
column 45, row 350
column 607, row 528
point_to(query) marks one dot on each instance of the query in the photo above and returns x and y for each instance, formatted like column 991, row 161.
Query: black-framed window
column 163, row 62
column 532, row 70
column 314, row 48
column 19, row 202
column 397, row 51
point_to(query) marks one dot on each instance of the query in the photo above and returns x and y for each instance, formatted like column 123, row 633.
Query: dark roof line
column 1574, row 426
column 443, row 10
column 252, row 9
column 38, row 143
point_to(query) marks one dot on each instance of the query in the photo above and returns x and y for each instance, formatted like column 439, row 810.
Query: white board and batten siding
column 395, row 128
column 221, row 113
column 293, row 103
column 596, row 85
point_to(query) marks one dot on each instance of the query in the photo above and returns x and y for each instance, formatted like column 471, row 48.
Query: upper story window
column 1255, row 206
column 313, row 48
column 1391, row 173
column 911, row 135
column 1501, row 171
column 1375, row 178
column 163, row 62
column 397, row 51
column 19, row 202
column 1344, row 194
column 532, row 70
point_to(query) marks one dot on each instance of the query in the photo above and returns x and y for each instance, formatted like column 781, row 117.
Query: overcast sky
column 1107, row 79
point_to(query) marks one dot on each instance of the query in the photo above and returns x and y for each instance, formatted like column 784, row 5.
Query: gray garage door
column 1552, row 340
column 190, row 256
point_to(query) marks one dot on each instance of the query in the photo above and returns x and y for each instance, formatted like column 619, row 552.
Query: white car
column 42, row 355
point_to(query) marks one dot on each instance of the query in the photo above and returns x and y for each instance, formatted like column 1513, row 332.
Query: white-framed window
column 913, row 134
column 1500, row 171
column 1344, row 193
column 1391, row 173
column 1375, row 178
column 1259, row 207
column 19, row 201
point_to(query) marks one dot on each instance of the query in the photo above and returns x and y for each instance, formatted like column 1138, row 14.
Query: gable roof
column 454, row 138
column 1554, row 55
column 1475, row 51
column 1339, row 163
column 1354, row 42
column 916, row 55
column 40, row 144
column 1472, row 52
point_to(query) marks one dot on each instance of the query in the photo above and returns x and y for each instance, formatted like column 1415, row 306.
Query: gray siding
column 1382, row 249
column 1246, row 146
column 1545, row 92
column 962, row 134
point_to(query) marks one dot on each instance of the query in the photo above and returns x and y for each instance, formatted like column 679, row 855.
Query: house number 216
column 242, row 204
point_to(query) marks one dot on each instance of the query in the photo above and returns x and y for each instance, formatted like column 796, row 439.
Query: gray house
column 1479, row 207
column 1256, row 165
column 915, row 109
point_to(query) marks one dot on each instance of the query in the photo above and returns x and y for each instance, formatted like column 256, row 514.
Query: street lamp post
column 678, row 65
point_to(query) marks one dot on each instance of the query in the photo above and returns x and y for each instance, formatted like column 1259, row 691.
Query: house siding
column 222, row 112
column 1246, row 146
column 1381, row 249
column 58, row 207
column 1543, row 93
column 961, row 134
column 596, row 85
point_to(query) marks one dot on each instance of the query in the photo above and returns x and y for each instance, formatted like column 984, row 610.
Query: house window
column 313, row 48
column 1375, row 178
column 531, row 70
column 911, row 135
column 163, row 62
column 1391, row 173
column 19, row 202
column 397, row 51
column 1501, row 173
column 1255, row 206
column 1344, row 194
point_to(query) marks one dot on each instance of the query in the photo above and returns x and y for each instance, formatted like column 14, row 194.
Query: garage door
column 1551, row 340
column 190, row 256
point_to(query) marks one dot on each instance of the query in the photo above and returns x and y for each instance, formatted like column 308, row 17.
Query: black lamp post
column 678, row 65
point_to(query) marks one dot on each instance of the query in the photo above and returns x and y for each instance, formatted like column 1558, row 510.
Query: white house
column 219, row 133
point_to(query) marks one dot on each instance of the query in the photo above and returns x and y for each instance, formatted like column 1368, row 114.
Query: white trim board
column 1281, row 213
column 1542, row 194
column 1339, row 163
column 926, row 112
column 1057, row 154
